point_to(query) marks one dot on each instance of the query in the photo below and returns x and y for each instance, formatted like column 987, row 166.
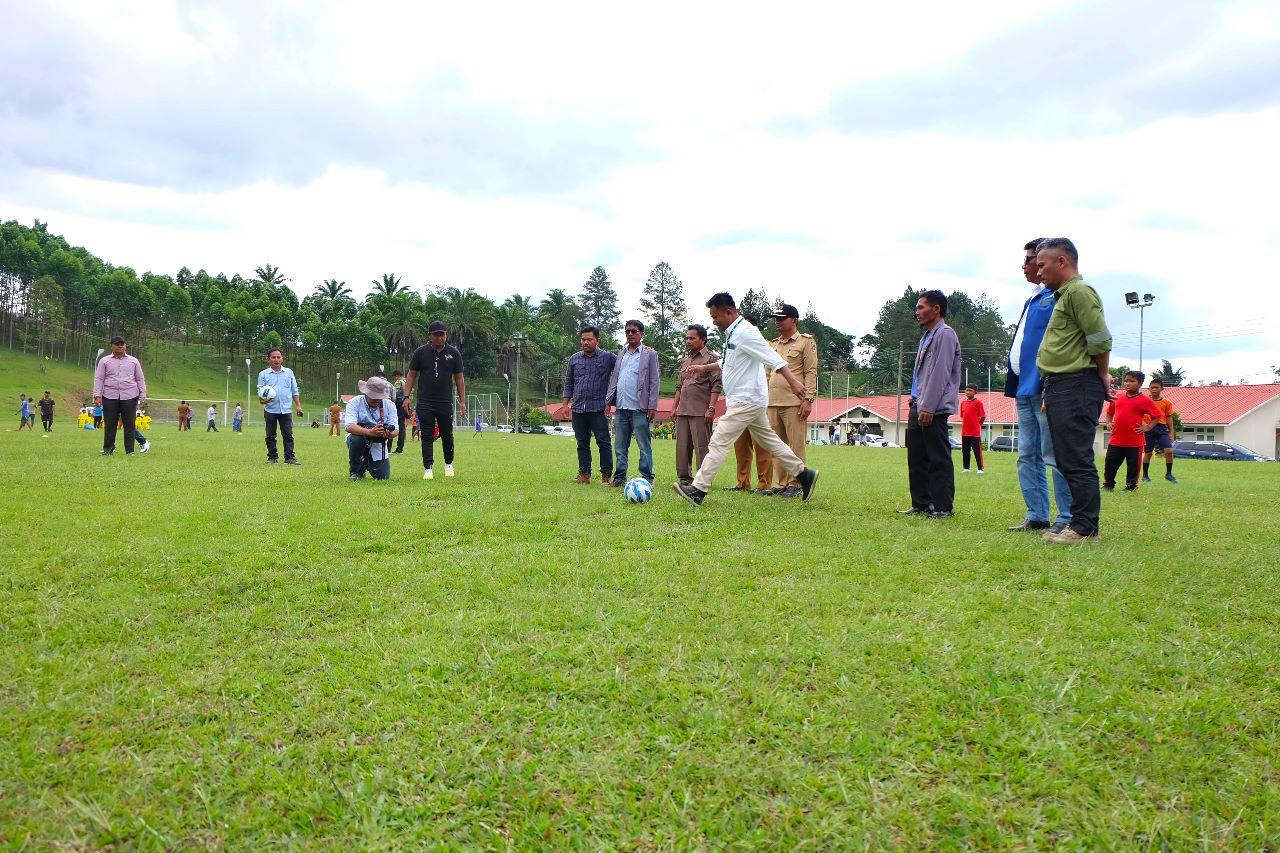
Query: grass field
column 203, row 651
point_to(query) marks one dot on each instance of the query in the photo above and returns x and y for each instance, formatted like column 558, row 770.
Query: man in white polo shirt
column 746, row 394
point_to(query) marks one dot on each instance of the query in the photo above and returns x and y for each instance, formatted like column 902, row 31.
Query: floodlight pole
column 336, row 379
column 1132, row 300
column 248, row 391
column 518, row 339
column 508, row 378
column 95, row 373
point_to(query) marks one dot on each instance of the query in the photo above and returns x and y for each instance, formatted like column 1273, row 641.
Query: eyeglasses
column 633, row 331
column 1029, row 259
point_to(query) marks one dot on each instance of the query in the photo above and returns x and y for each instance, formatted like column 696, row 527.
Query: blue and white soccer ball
column 266, row 393
column 638, row 490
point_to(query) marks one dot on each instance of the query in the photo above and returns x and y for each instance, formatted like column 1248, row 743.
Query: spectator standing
column 212, row 415
column 184, row 416
column 371, row 424
column 237, row 418
column 118, row 388
column 397, row 382
column 789, row 412
column 278, row 412
column 46, row 412
column 435, row 369
column 694, row 406
column 1073, row 360
column 935, row 389
column 97, row 415
column 1160, row 436
column 633, row 400
column 972, row 416
column 586, row 387
column 335, row 418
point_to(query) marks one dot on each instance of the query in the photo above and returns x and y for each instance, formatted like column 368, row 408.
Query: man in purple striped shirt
column 118, row 387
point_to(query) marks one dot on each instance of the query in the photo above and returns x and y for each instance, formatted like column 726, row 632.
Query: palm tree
column 521, row 304
column 561, row 311
column 466, row 313
column 389, row 285
column 508, row 320
column 332, row 290
column 269, row 275
column 402, row 323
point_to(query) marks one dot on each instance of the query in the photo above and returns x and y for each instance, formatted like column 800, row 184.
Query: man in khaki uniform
column 695, row 403
column 789, row 414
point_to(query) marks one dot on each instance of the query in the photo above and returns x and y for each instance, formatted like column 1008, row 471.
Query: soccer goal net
column 165, row 410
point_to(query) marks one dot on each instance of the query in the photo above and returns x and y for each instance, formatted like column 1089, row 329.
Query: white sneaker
column 981, row 472
column 448, row 470
column 427, row 475
column 965, row 471
column 146, row 445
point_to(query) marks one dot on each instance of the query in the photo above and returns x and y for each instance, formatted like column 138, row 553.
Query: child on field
column 972, row 416
column 1128, row 432
column 1161, row 434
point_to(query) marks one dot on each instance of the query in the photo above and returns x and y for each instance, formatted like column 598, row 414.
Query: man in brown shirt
column 695, row 403
column 184, row 416
column 789, row 414
column 335, row 417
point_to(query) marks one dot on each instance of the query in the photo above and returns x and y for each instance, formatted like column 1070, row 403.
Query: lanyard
column 728, row 338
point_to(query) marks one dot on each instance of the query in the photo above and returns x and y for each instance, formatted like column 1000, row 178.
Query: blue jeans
column 626, row 422
column 1035, row 450
column 586, row 424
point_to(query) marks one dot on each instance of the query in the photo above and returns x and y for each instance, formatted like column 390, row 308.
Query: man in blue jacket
column 633, row 393
column 1035, row 444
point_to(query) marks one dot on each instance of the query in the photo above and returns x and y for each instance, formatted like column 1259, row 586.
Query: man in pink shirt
column 118, row 386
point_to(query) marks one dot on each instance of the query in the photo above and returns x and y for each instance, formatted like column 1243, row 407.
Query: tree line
column 63, row 301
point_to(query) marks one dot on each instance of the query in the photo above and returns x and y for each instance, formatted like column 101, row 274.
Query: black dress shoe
column 941, row 513
column 1029, row 525
column 915, row 510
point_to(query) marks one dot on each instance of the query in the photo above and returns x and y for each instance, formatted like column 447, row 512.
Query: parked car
column 528, row 430
column 506, row 428
column 880, row 441
column 955, row 443
column 1004, row 444
column 1215, row 450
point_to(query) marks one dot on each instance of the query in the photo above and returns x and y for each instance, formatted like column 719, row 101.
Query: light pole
column 336, row 379
column 227, row 404
column 94, row 374
column 1132, row 300
column 518, row 339
column 508, row 378
column 248, row 391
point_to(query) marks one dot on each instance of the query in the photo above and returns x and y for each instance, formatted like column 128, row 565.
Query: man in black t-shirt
column 438, row 367
column 46, row 412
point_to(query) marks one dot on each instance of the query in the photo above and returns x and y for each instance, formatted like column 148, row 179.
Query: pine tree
column 599, row 304
column 663, row 306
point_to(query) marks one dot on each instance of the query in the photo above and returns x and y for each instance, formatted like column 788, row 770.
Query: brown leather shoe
column 615, row 484
column 583, row 478
column 605, row 478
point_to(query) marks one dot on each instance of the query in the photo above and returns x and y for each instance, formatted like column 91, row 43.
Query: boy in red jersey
column 972, row 416
column 1128, row 432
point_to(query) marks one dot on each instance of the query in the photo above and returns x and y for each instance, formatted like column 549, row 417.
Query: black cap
column 437, row 326
column 785, row 310
column 117, row 340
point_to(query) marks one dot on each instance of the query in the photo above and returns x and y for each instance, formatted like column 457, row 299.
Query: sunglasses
column 633, row 331
column 1029, row 259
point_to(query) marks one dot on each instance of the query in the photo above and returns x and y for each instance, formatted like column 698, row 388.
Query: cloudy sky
column 831, row 154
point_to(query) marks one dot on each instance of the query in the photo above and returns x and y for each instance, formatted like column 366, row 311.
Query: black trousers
column 972, row 443
column 930, row 471
column 1072, row 405
column 430, row 416
column 359, row 459
column 47, row 423
column 114, row 411
column 285, row 423
column 1132, row 459
column 586, row 425
column 404, row 426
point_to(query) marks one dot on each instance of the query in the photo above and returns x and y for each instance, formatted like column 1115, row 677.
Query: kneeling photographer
column 371, row 425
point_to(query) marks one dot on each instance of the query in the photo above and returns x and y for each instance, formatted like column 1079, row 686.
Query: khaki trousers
column 740, row 419
column 692, row 438
column 791, row 428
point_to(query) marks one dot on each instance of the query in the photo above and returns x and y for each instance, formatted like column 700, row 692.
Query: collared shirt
column 746, row 355
column 119, row 378
column 1077, row 331
column 286, row 389
column 935, row 382
column 586, row 381
column 801, row 352
column 1024, row 377
column 695, row 394
column 629, row 378
column 360, row 413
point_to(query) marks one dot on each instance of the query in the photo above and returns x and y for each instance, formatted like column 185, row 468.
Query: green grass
column 203, row 651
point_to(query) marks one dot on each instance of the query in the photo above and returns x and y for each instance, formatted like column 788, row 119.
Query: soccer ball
column 638, row 490
column 266, row 393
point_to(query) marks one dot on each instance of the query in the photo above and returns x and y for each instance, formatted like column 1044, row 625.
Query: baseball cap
column 117, row 340
column 785, row 310
column 437, row 326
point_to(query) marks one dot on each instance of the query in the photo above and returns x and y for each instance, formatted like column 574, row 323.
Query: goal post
column 166, row 409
